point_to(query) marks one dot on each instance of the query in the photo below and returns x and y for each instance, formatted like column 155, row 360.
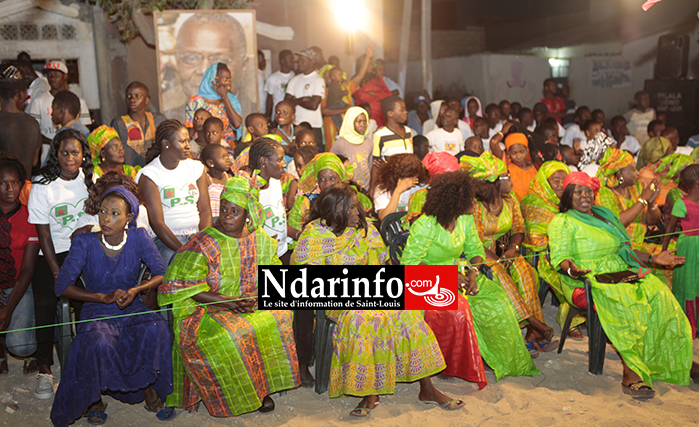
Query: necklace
column 115, row 247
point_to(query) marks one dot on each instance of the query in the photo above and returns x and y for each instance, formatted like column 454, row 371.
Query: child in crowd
column 336, row 94
column 472, row 107
column 197, row 131
column 464, row 127
column 303, row 156
column 481, row 129
column 421, row 146
column 526, row 119
column 448, row 138
column 65, row 109
column 473, row 145
column 573, row 132
column 554, row 104
column 257, row 125
column 655, row 128
column 505, row 109
column 623, row 141
column 515, row 108
column 540, row 111
column 494, row 117
column 519, row 164
column 372, row 126
column 638, row 118
column 570, row 158
column 213, row 131
column 353, row 144
column 218, row 162
column 284, row 116
column 599, row 117
column 685, row 281
column 394, row 138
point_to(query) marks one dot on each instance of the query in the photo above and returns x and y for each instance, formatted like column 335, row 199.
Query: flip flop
column 362, row 412
column 639, row 390
column 578, row 338
column 97, row 418
column 451, row 405
column 267, row 405
column 533, row 352
column 165, row 414
column 546, row 347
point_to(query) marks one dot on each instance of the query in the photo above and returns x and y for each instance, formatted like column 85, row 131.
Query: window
column 559, row 67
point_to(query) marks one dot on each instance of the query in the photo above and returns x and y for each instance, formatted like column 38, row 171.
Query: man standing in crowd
column 305, row 91
column 275, row 87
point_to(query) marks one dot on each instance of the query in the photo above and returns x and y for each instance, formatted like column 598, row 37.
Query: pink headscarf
column 581, row 178
column 438, row 163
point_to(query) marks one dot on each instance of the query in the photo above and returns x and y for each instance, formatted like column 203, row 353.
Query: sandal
column 362, row 412
column 546, row 346
column 576, row 334
column 533, row 352
column 97, row 418
column 165, row 414
column 639, row 390
column 451, row 405
column 267, row 405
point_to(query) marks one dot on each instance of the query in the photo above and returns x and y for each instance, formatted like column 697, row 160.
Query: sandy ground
column 565, row 394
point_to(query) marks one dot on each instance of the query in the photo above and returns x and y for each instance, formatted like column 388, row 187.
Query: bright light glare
column 556, row 62
column 350, row 14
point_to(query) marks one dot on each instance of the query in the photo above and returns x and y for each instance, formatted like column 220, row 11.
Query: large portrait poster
column 188, row 42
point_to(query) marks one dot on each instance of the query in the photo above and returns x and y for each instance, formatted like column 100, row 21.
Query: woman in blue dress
column 127, row 357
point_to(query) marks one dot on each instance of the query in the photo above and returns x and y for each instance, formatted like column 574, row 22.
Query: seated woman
column 497, row 214
column 667, row 170
column 212, row 286
column 396, row 180
column 439, row 237
column 399, row 342
column 538, row 209
column 325, row 170
column 633, row 204
column 108, row 153
column 174, row 188
column 642, row 319
column 215, row 97
column 127, row 357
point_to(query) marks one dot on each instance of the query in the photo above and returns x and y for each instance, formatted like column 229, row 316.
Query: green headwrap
column 652, row 151
column 309, row 177
column 540, row 185
column 669, row 167
column 484, row 168
column 239, row 192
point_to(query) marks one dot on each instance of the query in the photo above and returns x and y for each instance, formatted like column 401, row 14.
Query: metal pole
column 404, row 44
column 426, row 45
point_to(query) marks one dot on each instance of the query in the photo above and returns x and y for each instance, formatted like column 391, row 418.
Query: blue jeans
column 21, row 343
column 165, row 250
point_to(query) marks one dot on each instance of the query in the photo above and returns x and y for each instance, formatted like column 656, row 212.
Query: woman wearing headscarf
column 215, row 97
column 472, row 109
column 679, row 192
column 108, row 153
column 325, row 170
column 667, row 170
column 355, row 146
column 497, row 214
column 128, row 357
column 212, row 286
column 436, row 163
column 373, row 349
column 653, row 150
column 443, row 235
column 539, row 207
column 633, row 204
column 638, row 313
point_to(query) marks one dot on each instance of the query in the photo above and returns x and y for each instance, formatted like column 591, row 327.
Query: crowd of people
column 309, row 181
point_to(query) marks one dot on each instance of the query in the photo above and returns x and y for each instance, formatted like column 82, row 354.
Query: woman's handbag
column 618, row 277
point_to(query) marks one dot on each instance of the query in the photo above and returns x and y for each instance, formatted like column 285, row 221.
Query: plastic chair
column 323, row 349
column 597, row 339
column 391, row 226
column 395, row 249
column 66, row 324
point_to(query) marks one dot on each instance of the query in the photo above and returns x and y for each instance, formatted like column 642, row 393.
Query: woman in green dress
column 497, row 215
column 538, row 209
column 642, row 319
column 440, row 236
column 373, row 349
column 226, row 353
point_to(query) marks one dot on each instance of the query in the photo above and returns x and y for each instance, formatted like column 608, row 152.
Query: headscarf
column 98, row 139
column 464, row 105
column 309, row 178
column 613, row 161
column 652, row 151
column 347, row 129
column 540, row 185
column 516, row 138
column 581, row 178
column 441, row 162
column 484, row 168
column 669, row 167
column 130, row 198
column 594, row 149
column 244, row 192
column 435, row 106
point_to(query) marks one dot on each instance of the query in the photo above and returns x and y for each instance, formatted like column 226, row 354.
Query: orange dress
column 521, row 179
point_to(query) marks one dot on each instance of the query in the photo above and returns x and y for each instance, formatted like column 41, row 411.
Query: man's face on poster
column 199, row 45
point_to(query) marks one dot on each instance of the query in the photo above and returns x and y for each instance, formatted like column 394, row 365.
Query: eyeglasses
column 583, row 192
column 192, row 59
